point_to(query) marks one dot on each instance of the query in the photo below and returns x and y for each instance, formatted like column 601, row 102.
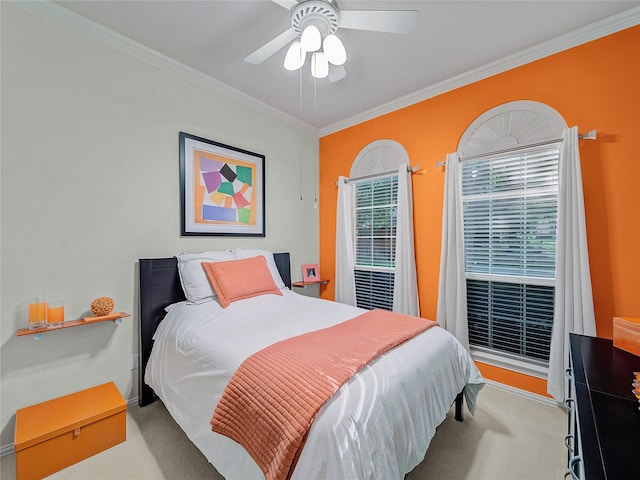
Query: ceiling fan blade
column 336, row 73
column 268, row 49
column 390, row 21
column 288, row 4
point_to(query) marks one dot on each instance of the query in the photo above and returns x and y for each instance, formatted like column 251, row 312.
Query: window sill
column 509, row 363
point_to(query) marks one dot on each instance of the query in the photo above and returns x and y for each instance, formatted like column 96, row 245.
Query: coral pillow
column 239, row 253
column 238, row 279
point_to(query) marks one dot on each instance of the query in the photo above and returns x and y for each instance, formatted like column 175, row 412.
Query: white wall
column 89, row 184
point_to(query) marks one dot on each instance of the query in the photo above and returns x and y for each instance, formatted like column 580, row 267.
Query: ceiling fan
column 314, row 24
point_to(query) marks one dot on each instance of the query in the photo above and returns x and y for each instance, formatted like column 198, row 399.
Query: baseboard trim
column 524, row 393
column 8, row 449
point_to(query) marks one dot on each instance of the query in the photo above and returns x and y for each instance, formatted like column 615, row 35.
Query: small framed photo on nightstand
column 310, row 273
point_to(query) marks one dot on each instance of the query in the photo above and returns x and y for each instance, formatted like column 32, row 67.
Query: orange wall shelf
column 114, row 317
column 302, row 284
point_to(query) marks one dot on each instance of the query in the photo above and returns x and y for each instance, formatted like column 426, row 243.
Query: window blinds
column 511, row 318
column 510, row 218
column 375, row 210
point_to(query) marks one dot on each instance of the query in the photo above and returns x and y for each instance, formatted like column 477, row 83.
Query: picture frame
column 222, row 189
column 311, row 273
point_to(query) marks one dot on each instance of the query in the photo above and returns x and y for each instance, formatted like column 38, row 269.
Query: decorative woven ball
column 102, row 306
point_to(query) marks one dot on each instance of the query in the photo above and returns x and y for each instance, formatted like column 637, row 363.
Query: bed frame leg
column 459, row 416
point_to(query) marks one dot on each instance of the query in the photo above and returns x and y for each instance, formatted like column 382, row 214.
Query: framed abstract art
column 221, row 189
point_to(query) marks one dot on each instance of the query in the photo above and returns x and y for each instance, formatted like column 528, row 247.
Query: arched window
column 509, row 171
column 375, row 198
column 375, row 260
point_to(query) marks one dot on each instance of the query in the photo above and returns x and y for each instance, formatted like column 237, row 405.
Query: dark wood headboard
column 160, row 287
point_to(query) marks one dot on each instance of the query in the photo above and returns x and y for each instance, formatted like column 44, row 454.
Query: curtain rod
column 590, row 135
column 375, row 175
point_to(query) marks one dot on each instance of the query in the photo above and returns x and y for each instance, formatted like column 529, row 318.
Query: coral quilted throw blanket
column 270, row 402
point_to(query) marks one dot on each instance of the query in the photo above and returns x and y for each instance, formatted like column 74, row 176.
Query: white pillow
column 271, row 263
column 195, row 283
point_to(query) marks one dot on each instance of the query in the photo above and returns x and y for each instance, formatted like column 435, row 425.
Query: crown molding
column 569, row 40
column 106, row 36
column 80, row 24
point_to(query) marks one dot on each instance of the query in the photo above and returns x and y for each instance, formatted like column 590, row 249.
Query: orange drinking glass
column 55, row 313
column 37, row 313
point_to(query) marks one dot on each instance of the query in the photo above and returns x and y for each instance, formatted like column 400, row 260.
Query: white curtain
column 452, row 290
column 405, row 284
column 345, row 280
column 573, row 311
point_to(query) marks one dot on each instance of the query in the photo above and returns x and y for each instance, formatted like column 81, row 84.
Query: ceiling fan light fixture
column 336, row 73
column 334, row 50
column 295, row 56
column 319, row 65
column 311, row 39
column 315, row 20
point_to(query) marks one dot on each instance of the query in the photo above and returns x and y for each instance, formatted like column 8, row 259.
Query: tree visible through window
column 375, row 210
column 510, row 219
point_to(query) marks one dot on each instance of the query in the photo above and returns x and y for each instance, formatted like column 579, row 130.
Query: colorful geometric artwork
column 223, row 189
column 225, row 196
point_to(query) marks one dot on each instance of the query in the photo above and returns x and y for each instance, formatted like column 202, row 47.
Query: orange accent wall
column 595, row 85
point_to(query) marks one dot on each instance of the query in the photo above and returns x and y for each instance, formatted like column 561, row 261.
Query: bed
column 378, row 425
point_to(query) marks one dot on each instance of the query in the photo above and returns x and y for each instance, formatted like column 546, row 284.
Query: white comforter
column 378, row 425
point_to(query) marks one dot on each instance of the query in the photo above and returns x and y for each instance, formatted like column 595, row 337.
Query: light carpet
column 510, row 437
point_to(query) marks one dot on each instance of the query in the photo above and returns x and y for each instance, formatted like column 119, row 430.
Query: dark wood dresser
column 604, row 420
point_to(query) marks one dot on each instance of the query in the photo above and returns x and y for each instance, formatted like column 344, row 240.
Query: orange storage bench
column 52, row 435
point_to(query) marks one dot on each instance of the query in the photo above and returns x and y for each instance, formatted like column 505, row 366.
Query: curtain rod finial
column 590, row 135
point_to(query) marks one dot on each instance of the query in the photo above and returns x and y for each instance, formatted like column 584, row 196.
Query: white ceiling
column 452, row 38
